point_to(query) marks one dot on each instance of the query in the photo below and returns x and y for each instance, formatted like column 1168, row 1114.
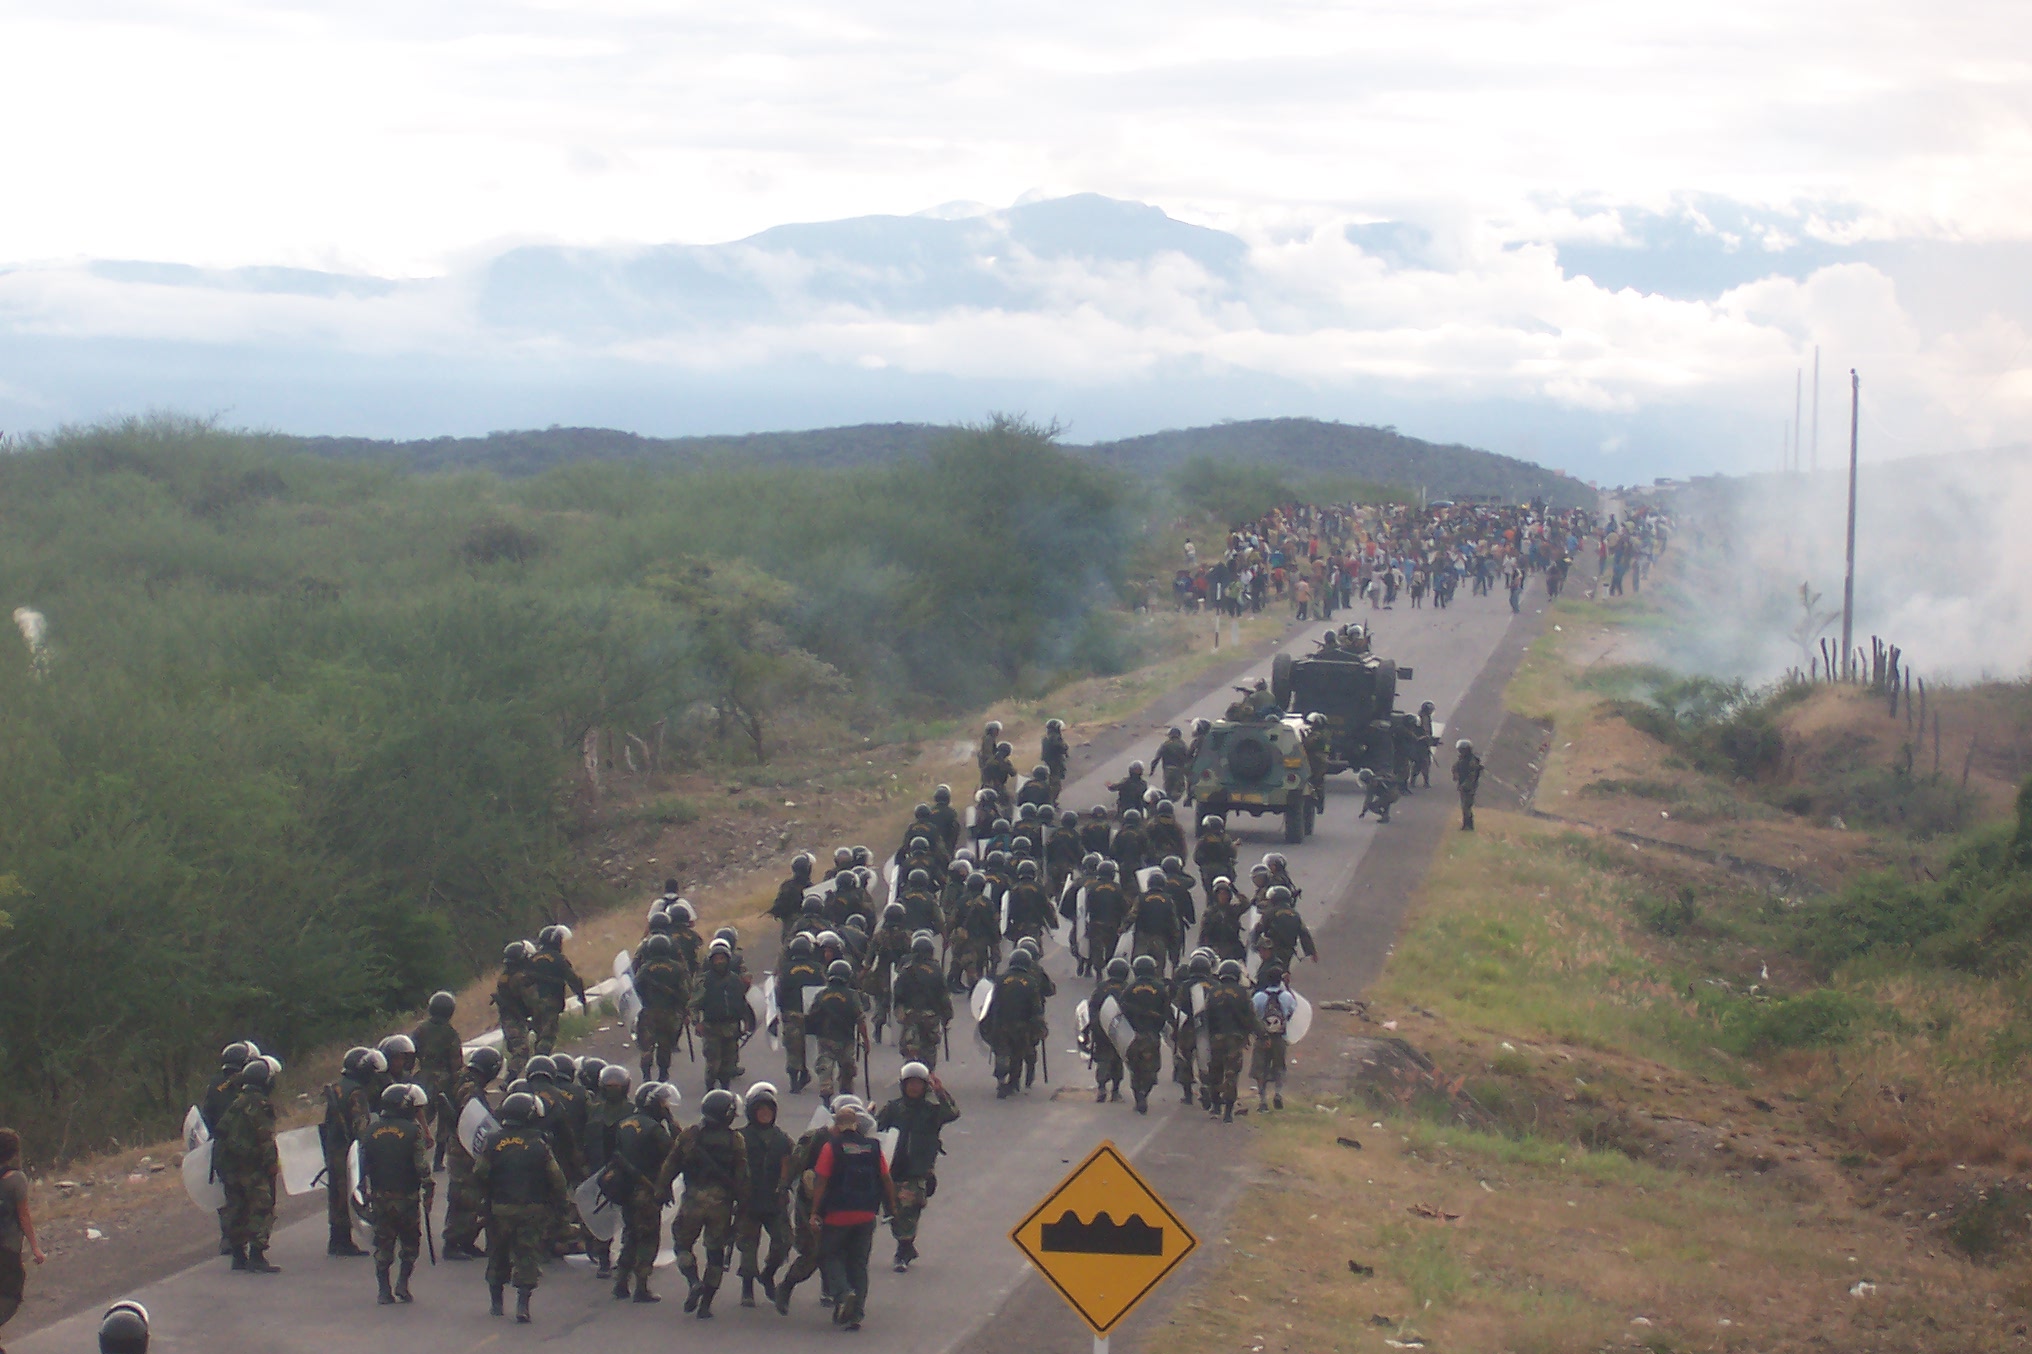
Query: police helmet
column 977, row 883
column 993, row 726
column 1365, row 775
column 1145, row 966
column 485, row 1060
column 830, row 940
column 1054, row 726
column 257, row 1072
column 1172, row 864
column 942, row 795
column 1026, row 813
column 443, row 1005
column 997, row 859
column 848, row 1102
column 402, row 1099
column 813, row 902
column 521, row 1108
column 1276, row 861
column 1278, row 894
column 1230, row 971
column 984, row 795
column 233, row 1057
column 1132, row 817
column 1211, row 823
column 1030, row 946
column 920, row 878
column 801, row 863
column 1464, row 745
column 923, row 946
column 1202, row 963
column 515, row 951
column 921, row 813
column 124, row 1329
column 962, row 866
column 1262, row 685
column 358, row 1060
column 1109, row 869
column 1316, row 720
column 892, row 913
column 800, row 944
column 1020, row 961
column 554, row 937
column 651, row 1096
column 659, row 947
column 718, row 1107
column 1068, row 820
column 542, row 1065
column 614, row 1077
column 1026, row 869
column 397, row 1046
column 913, row 1071
column 1003, row 749
column 1221, row 881
column 839, row 971
column 1201, row 725
column 589, row 1070
column 843, row 855
column 1136, row 768
column 1098, row 811
column 719, row 949
column 682, row 911
column 1040, row 772
column 274, row 1065
column 1021, row 847
column 1000, row 826
column 1165, row 808
column 1259, row 871
column 1426, row 707
column 1118, row 969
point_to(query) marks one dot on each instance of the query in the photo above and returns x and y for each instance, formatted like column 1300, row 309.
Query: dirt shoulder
column 1593, row 1101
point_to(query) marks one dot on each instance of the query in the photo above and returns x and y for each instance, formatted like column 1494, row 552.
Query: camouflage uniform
column 914, row 1168
column 465, row 1201
column 348, row 1111
column 720, row 1005
column 395, row 1159
column 245, row 1159
column 641, row 1143
column 714, row 1164
column 524, row 1190
column 1144, row 1003
column 512, row 996
column 798, row 975
column 767, row 1210
column 661, row 984
column 1228, row 1022
column 923, row 1010
column 440, row 1057
column 550, row 974
column 834, row 1020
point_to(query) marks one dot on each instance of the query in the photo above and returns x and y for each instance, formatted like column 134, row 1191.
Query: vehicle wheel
column 1294, row 824
column 1280, row 680
column 1309, row 815
column 1249, row 759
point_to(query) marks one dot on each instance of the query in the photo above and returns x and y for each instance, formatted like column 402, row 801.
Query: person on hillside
column 440, row 1052
column 395, row 1159
column 919, row 1115
column 1467, row 779
column 17, row 1227
column 550, row 974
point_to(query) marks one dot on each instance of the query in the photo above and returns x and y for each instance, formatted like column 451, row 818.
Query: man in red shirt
column 853, row 1184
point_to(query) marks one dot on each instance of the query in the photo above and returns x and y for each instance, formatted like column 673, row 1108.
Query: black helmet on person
column 553, row 937
column 657, row 1097
column 614, row 1077
column 919, row 878
column 839, row 971
column 403, row 1099
column 233, row 1057
column 719, row 1106
column 1019, row 961
column 1230, row 971
column 590, row 1072
column 521, row 1108
column 443, row 1005
column 257, row 1073
column 942, row 795
column 801, row 863
column 124, row 1328
column 485, row 1060
column 1144, row 966
column 1171, row 864
column 760, row 1096
column 1118, row 969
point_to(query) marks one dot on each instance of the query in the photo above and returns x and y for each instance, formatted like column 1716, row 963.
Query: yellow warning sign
column 1104, row 1239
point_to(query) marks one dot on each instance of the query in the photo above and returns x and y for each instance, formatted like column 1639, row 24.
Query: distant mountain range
column 1302, row 445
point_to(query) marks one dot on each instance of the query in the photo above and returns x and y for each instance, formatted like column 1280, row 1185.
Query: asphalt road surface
column 971, row 1290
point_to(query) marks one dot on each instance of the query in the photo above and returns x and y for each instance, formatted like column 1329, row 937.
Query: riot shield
column 206, row 1192
column 303, row 1159
column 477, row 1126
column 773, row 1022
column 1115, row 1027
column 1301, row 1019
column 601, row 1216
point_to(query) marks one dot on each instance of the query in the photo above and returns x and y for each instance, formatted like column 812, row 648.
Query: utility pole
column 1815, row 444
column 1798, row 383
column 1849, row 578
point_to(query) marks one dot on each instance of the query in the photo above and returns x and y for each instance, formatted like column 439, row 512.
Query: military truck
column 1356, row 692
column 1256, row 767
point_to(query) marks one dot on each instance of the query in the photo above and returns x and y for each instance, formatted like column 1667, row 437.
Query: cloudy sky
column 1601, row 234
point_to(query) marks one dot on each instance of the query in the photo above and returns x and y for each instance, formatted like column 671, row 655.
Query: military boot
column 769, row 1283
column 1142, row 1102
column 402, row 1293
column 747, row 1290
column 383, row 1297
column 522, row 1303
column 239, row 1257
column 1100, row 1095
column 621, row 1284
column 494, row 1294
column 1278, row 1100
column 782, row 1298
column 642, row 1293
column 1228, row 1112
column 691, row 1297
column 257, row 1261
column 705, row 1302
column 606, row 1254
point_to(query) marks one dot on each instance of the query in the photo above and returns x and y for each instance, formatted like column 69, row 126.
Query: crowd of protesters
column 1321, row 559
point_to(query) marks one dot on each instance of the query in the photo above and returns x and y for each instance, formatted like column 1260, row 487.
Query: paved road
column 971, row 1291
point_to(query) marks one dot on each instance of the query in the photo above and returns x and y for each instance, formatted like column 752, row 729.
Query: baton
column 428, row 1239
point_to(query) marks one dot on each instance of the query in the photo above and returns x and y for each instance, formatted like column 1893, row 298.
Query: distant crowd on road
column 1322, row 558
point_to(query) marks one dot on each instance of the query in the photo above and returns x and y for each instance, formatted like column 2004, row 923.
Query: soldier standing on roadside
column 439, row 1051
column 395, row 1161
column 245, row 1159
column 1467, row 778
column 465, row 1201
column 524, row 1190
